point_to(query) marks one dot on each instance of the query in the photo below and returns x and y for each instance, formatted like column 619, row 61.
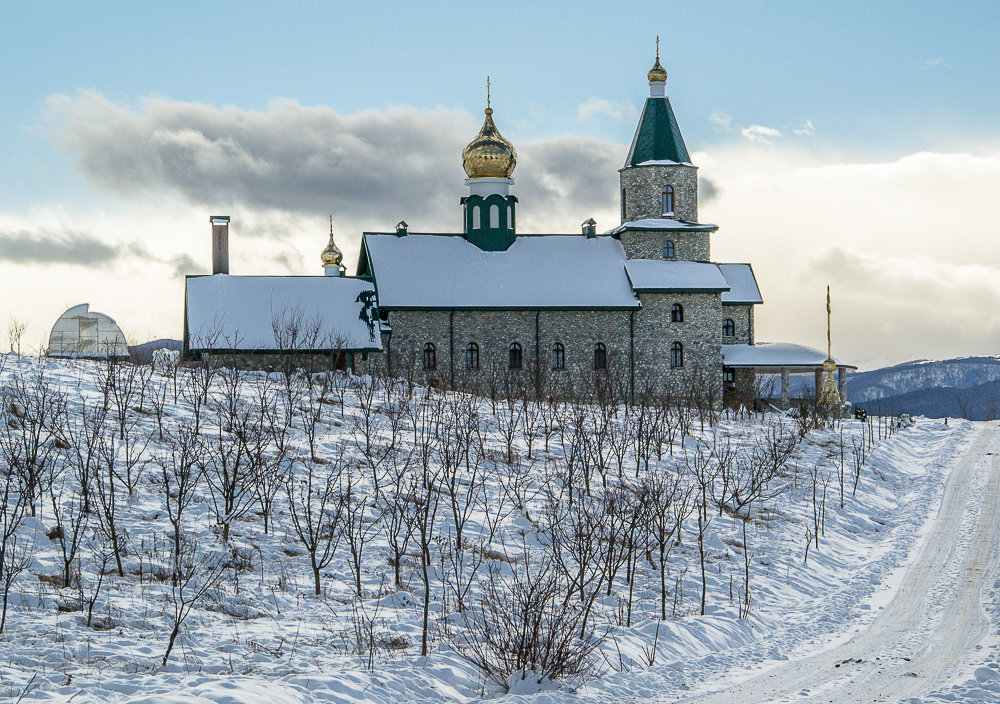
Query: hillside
column 966, row 387
column 253, row 537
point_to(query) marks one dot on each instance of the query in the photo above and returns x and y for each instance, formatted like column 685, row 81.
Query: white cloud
column 721, row 120
column 593, row 107
column 807, row 128
column 907, row 244
column 760, row 133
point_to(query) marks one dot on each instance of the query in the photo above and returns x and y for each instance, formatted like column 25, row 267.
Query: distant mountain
column 143, row 354
column 967, row 387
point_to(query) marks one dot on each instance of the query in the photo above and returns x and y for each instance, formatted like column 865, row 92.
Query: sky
column 854, row 144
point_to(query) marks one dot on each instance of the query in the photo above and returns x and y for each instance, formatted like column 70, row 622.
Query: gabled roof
column 663, row 275
column 665, row 225
column 436, row 271
column 658, row 136
column 259, row 313
column 743, row 288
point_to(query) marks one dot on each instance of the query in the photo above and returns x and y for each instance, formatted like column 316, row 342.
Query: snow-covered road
column 927, row 634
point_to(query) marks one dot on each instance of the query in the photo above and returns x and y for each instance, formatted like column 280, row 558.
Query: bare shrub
column 523, row 627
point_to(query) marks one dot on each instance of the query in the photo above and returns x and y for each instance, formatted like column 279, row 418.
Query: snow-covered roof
column 667, row 275
column 666, row 224
column 279, row 313
column 664, row 162
column 777, row 354
column 742, row 285
column 548, row 271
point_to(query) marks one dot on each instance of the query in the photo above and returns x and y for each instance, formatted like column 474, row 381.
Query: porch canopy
column 784, row 358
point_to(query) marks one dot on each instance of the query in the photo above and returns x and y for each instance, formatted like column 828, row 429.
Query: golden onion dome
column 657, row 73
column 331, row 256
column 489, row 154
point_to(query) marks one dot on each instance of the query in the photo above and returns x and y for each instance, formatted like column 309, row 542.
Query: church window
column 494, row 216
column 676, row 355
column 677, row 313
column 430, row 356
column 729, row 377
column 623, row 204
column 475, row 218
column 728, row 328
column 558, row 356
column 668, row 200
column 668, row 249
column 472, row 356
column 515, row 356
column 600, row 356
column 510, row 218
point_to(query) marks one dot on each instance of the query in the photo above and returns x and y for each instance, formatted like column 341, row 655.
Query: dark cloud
column 370, row 166
column 66, row 247
column 708, row 190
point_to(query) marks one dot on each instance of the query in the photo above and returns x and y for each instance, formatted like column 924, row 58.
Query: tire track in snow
column 925, row 635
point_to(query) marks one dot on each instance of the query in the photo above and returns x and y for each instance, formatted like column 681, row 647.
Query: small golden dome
column 657, row 73
column 489, row 155
column 829, row 365
column 331, row 256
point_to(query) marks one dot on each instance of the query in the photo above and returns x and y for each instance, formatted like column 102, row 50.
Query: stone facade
column 742, row 317
column 700, row 335
column 648, row 244
column 494, row 331
column 642, row 192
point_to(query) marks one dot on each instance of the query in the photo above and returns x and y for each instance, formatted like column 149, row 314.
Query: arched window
column 676, row 355
column 728, row 328
column 677, row 313
column 558, row 356
column 600, row 356
column 475, row 217
column 668, row 249
column 515, row 356
column 494, row 216
column 623, row 204
column 668, row 200
column 430, row 356
column 472, row 356
column 510, row 218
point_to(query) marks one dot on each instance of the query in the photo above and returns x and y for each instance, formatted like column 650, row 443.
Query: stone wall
column 700, row 335
column 643, row 187
column 648, row 244
column 742, row 316
column 494, row 331
column 646, row 362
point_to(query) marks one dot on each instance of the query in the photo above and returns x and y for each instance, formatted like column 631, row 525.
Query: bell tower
column 658, row 179
column 489, row 209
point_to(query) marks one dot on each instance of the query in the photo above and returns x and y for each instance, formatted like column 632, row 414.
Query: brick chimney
column 220, row 243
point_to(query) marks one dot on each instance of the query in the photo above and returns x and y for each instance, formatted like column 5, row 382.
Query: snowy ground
column 262, row 635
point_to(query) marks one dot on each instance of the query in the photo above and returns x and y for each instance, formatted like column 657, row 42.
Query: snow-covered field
column 481, row 503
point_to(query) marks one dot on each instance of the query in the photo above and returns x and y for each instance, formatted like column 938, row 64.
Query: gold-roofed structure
column 657, row 73
column 489, row 154
column 828, row 395
column 332, row 256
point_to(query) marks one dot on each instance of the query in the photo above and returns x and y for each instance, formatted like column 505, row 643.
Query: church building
column 642, row 304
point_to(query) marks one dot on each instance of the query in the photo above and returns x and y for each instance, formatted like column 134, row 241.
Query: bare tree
column 181, row 472
column 197, row 572
column 316, row 507
column 15, row 551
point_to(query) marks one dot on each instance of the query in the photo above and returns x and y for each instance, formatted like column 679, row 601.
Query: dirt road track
column 931, row 627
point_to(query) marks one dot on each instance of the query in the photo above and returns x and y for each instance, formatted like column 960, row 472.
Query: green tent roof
column 658, row 137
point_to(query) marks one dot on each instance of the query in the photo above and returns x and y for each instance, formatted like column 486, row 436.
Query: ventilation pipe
column 220, row 243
